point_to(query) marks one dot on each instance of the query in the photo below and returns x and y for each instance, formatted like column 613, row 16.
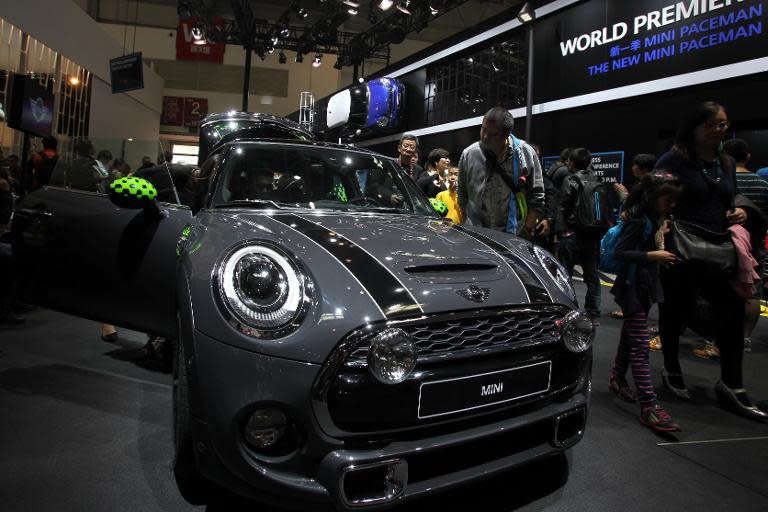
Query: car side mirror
column 136, row 193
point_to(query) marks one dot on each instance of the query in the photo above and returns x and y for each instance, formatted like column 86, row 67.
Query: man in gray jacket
column 492, row 171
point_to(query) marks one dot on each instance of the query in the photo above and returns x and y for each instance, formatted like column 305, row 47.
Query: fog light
column 577, row 331
column 265, row 427
column 392, row 356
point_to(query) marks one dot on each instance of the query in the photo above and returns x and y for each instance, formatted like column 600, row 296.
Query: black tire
column 192, row 486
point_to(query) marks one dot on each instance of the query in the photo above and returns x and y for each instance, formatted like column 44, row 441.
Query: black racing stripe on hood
column 384, row 288
column 535, row 288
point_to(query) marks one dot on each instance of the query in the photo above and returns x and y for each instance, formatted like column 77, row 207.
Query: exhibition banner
column 189, row 48
column 180, row 111
column 604, row 44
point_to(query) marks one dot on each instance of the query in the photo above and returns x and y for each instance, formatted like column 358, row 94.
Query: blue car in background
column 373, row 105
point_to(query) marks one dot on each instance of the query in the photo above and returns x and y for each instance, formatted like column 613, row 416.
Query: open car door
column 78, row 252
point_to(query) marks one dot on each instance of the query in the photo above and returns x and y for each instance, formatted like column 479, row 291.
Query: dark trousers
column 680, row 291
column 584, row 251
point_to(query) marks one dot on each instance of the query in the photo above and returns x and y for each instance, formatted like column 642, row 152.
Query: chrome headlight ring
column 555, row 270
column 263, row 290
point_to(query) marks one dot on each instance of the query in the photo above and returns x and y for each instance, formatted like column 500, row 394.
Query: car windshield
column 288, row 175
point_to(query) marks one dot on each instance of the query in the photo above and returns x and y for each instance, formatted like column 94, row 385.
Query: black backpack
column 593, row 213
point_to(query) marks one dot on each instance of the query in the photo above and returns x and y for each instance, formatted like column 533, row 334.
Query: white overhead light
column 385, row 4
column 526, row 14
column 351, row 3
column 403, row 6
column 352, row 11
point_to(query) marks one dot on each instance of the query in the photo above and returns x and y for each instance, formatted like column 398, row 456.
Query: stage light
column 197, row 32
column 282, row 59
column 318, row 60
column 385, row 4
column 352, row 11
column 299, row 57
column 403, row 6
column 526, row 14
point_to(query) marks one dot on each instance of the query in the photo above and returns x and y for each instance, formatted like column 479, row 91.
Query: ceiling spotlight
column 351, row 3
column 282, row 59
column 526, row 14
column 301, row 12
column 285, row 32
column 385, row 4
column 73, row 80
column 433, row 11
column 361, row 79
column 317, row 60
column 352, row 11
column 299, row 57
column 403, row 6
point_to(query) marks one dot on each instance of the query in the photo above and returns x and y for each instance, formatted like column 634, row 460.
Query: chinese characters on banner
column 178, row 111
column 188, row 49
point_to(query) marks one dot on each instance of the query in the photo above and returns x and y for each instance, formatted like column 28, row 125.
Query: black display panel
column 604, row 44
column 127, row 73
column 31, row 107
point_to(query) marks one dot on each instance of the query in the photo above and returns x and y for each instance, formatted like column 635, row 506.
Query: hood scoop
column 447, row 268
column 453, row 271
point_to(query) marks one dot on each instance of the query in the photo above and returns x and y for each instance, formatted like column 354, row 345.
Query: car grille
column 459, row 337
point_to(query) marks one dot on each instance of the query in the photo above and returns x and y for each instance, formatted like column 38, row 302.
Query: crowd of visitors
column 695, row 211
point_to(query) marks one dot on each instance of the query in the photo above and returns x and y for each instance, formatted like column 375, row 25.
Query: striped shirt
column 755, row 188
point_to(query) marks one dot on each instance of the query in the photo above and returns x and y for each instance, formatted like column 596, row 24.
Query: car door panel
column 78, row 253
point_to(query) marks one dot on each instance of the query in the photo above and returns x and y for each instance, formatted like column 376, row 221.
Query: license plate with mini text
column 451, row 396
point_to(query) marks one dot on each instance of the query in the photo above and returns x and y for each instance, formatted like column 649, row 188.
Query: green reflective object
column 131, row 186
column 340, row 193
column 439, row 206
column 186, row 231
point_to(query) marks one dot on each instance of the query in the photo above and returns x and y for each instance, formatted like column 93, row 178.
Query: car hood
column 413, row 264
column 367, row 269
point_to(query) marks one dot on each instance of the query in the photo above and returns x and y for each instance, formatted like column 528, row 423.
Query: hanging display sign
column 643, row 40
column 180, row 111
column 190, row 48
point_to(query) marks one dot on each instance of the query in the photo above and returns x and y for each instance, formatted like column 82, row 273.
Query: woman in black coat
column 708, row 199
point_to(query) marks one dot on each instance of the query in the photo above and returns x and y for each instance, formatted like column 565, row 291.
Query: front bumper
column 359, row 473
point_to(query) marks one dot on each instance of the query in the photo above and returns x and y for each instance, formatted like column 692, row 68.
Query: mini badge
column 475, row 294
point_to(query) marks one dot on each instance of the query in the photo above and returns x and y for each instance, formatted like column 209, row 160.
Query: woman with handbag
column 699, row 237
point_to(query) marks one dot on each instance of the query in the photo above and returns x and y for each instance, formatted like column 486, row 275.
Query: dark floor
column 83, row 427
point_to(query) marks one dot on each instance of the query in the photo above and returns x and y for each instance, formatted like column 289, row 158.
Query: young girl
column 637, row 287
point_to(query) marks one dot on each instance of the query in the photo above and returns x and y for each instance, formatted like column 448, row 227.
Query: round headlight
column 555, row 270
column 577, row 331
column 263, row 288
column 392, row 356
column 265, row 427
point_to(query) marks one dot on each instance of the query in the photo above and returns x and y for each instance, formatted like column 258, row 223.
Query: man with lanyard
column 500, row 180
column 409, row 144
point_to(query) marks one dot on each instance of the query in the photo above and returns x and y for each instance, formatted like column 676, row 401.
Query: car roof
column 312, row 143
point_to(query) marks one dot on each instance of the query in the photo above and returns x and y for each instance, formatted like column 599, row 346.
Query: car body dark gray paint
column 420, row 266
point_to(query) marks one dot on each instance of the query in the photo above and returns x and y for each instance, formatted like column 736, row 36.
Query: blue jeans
column 585, row 251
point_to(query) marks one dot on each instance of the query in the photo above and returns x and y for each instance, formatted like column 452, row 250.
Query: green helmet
column 440, row 207
column 137, row 188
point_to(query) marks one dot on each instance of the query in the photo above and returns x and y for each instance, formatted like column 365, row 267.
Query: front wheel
column 192, row 486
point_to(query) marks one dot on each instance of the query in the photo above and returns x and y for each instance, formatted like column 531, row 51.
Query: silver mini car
column 335, row 339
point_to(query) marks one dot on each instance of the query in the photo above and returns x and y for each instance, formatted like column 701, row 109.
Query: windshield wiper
column 249, row 203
